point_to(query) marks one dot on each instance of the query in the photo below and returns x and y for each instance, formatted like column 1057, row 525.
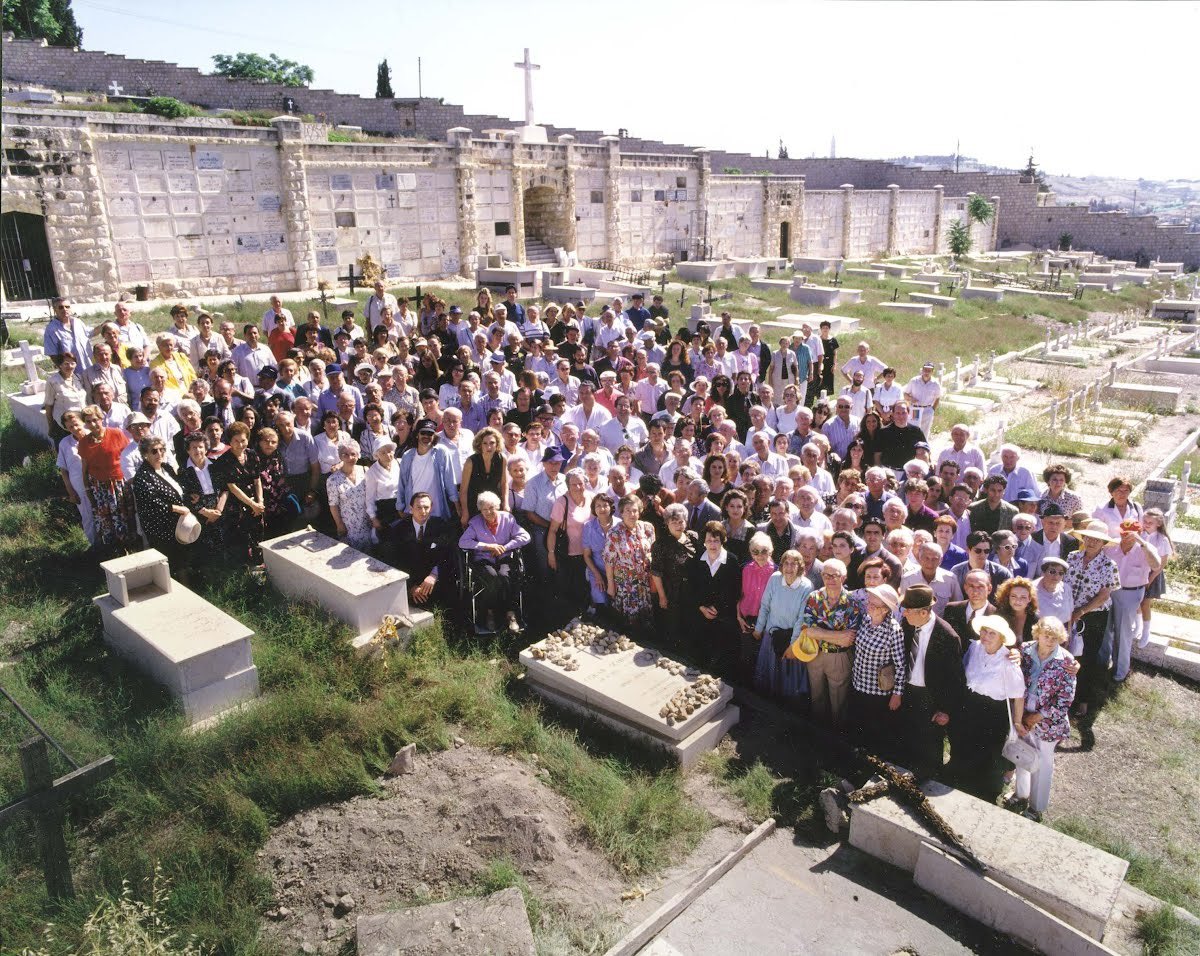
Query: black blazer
column 155, row 500
column 432, row 553
column 956, row 616
column 945, row 679
column 1069, row 543
column 721, row 590
column 708, row 512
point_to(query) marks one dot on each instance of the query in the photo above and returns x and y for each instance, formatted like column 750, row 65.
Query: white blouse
column 381, row 483
column 993, row 675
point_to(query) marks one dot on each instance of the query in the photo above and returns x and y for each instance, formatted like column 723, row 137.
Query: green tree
column 30, row 19
column 264, row 69
column 959, row 238
column 69, row 32
column 979, row 210
column 383, row 82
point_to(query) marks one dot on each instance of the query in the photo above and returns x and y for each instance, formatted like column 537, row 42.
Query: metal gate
column 25, row 267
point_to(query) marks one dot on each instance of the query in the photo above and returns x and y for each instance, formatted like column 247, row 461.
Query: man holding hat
column 935, row 682
column 427, row 468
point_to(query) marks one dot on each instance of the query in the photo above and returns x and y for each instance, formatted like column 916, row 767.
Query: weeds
column 1163, row 933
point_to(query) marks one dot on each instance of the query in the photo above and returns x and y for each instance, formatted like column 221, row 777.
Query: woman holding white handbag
column 1049, row 691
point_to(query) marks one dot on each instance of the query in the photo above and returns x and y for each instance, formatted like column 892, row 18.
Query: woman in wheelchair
column 491, row 539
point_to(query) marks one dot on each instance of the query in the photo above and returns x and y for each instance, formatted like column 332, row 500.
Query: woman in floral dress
column 269, row 465
column 348, row 497
column 627, row 565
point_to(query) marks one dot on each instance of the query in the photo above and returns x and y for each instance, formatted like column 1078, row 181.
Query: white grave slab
column 981, row 292
column 353, row 587
column 1076, row 882
column 829, row 297
column 626, row 691
column 27, row 412
column 193, row 648
column 816, row 264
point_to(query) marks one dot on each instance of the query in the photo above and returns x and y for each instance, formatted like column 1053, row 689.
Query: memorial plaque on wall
column 181, row 182
column 177, row 159
column 145, row 159
column 120, row 183
column 327, row 258
column 249, row 243
column 340, row 182
column 113, row 158
column 209, row 159
column 406, row 181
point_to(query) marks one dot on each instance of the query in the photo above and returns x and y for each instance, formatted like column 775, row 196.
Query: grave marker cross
column 44, row 799
column 115, row 88
column 351, row 277
column 528, row 67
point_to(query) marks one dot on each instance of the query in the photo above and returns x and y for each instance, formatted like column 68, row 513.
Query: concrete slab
column 27, row 412
column 1179, row 310
column 1076, row 882
column 829, row 297
column 945, row 301
column 927, row 285
column 994, row 905
column 817, row 264
column 981, row 292
column 898, row 269
column 1174, row 364
column 924, row 309
column 876, row 274
column 771, row 285
column 699, row 270
column 1038, row 293
column 353, row 587
column 1161, row 398
column 570, row 293
column 789, row 899
column 496, row 925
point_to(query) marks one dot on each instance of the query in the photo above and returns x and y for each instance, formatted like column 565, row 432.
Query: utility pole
column 419, row 93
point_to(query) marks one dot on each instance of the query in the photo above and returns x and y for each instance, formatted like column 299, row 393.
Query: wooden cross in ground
column 44, row 798
column 351, row 277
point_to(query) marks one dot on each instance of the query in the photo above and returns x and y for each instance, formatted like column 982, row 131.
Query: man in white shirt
column 758, row 422
column 924, row 393
column 943, row 584
column 379, row 299
column 129, row 331
column 268, row 319
column 808, row 511
column 821, row 480
column 1016, row 474
column 858, row 395
column 770, row 464
column 204, row 340
column 456, row 439
column 863, row 362
column 250, row 357
column 624, row 428
column 961, row 451
column 588, row 413
column 681, row 458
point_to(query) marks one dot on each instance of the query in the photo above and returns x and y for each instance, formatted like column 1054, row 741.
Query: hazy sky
column 1091, row 88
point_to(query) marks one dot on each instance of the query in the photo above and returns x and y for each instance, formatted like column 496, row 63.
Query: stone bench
column 701, row 271
column 817, row 263
column 1075, row 882
column 829, row 297
column 174, row 636
column 946, row 301
column 914, row 308
column 981, row 292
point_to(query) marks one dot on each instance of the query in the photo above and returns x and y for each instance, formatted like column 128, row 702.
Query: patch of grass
column 202, row 805
column 1037, row 434
column 754, row 785
column 1175, row 469
column 1190, row 611
column 1155, row 875
column 1162, row 933
column 501, row 873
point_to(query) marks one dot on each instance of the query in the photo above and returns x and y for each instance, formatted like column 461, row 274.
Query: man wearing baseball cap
column 427, row 468
column 637, row 313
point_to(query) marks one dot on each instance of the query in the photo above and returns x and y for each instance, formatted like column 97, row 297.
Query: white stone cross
column 30, row 360
column 528, row 67
column 115, row 88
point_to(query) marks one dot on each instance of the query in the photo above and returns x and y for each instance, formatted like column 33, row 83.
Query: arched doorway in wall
column 785, row 240
column 25, row 266
column 546, row 225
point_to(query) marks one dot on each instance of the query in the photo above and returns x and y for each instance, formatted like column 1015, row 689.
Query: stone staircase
column 537, row 253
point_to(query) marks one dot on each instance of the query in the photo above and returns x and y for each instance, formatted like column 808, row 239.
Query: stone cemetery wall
column 735, row 218
column 869, row 212
column 916, row 221
column 658, row 206
column 823, row 221
column 209, row 214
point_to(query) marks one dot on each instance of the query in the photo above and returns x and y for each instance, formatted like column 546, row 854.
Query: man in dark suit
column 977, row 585
column 422, row 543
column 700, row 510
column 935, row 683
column 1050, row 541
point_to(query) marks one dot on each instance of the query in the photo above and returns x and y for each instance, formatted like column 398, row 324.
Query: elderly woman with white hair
column 1049, row 693
column 176, row 365
column 491, row 537
column 347, row 490
column 832, row 617
column 669, row 559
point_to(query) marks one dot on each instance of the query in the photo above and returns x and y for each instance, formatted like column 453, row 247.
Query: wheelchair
column 470, row 590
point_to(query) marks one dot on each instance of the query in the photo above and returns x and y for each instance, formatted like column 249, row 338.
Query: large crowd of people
column 774, row 512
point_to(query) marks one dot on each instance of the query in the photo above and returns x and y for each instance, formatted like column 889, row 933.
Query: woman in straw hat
column 1092, row 576
column 1049, row 691
column 877, row 681
column 993, row 703
column 781, row 608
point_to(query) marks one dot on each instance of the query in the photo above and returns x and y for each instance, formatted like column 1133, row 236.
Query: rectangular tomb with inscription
column 352, row 586
column 627, row 690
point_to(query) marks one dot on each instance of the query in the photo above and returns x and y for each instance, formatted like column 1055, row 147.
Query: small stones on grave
column 560, row 646
column 345, row 904
column 405, row 761
column 687, row 700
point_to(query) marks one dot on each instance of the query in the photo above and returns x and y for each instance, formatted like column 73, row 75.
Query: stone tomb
column 625, row 691
column 353, row 587
column 194, row 649
column 816, row 263
column 823, row 296
column 1074, row 881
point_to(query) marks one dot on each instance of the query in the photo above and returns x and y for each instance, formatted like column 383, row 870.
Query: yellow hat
column 804, row 648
